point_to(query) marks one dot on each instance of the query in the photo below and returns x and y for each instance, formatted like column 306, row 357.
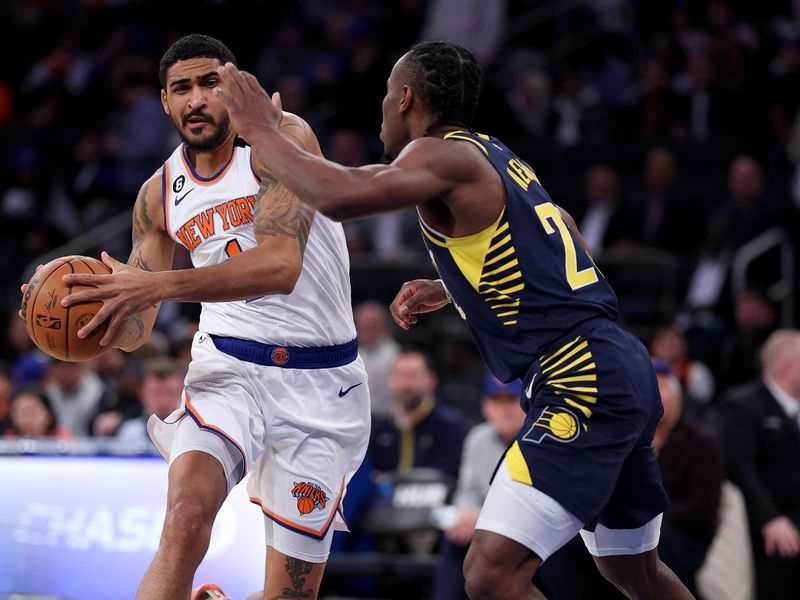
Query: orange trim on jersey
column 165, row 198
column 196, row 415
column 318, row 533
column 202, row 180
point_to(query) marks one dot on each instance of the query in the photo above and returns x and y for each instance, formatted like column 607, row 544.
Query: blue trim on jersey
column 205, row 179
column 287, row 357
column 219, row 433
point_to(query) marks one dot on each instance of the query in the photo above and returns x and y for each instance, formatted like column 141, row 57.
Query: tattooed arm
column 130, row 323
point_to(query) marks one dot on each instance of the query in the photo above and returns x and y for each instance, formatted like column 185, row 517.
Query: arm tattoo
column 133, row 331
column 142, row 223
column 297, row 570
column 279, row 212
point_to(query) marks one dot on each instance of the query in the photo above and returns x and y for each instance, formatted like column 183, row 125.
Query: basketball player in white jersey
column 275, row 387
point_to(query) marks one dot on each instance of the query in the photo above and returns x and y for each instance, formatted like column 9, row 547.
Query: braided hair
column 447, row 79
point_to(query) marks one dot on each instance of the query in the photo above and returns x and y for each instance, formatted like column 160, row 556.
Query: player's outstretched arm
column 130, row 294
column 427, row 168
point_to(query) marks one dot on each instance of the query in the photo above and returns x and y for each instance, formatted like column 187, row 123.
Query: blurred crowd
column 670, row 130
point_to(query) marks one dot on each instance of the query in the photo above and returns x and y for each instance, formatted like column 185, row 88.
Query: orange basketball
column 305, row 505
column 53, row 328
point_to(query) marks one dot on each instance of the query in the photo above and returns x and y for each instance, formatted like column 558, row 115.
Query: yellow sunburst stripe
column 517, row 288
column 517, row 466
column 500, row 228
column 581, row 346
column 569, row 388
column 575, row 379
column 588, row 367
column 496, row 245
column 499, row 257
column 497, row 298
column 509, row 322
column 584, row 397
column 584, row 409
column 555, row 354
column 512, row 277
column 510, row 313
column 469, row 139
column 505, row 305
column 583, row 357
column 505, row 267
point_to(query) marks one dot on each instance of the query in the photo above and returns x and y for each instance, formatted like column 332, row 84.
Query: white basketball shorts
column 301, row 433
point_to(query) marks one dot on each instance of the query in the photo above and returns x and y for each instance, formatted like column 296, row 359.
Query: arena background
column 670, row 130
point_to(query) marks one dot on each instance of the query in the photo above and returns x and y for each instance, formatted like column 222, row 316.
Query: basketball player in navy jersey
column 516, row 269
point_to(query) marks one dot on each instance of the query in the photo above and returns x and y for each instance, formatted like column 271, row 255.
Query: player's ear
column 406, row 99
column 164, row 101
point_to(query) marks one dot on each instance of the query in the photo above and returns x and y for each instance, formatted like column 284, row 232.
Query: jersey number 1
column 548, row 212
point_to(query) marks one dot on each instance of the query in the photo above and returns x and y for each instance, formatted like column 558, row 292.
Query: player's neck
column 442, row 130
column 209, row 163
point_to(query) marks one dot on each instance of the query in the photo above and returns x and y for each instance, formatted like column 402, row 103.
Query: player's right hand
column 416, row 297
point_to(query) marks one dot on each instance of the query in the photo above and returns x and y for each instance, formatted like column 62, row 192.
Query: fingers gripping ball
column 54, row 328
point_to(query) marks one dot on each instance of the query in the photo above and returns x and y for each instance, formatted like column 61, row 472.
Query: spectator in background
column 528, row 98
column 483, row 448
column 691, row 462
column 378, row 350
column 579, row 117
column 418, row 432
column 601, row 223
column 670, row 345
column 749, row 212
column 739, row 350
column 662, row 219
column 160, row 395
column 121, row 378
column 76, row 393
column 761, row 434
column 32, row 416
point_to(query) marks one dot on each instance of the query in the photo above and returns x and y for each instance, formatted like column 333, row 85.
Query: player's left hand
column 249, row 106
column 125, row 292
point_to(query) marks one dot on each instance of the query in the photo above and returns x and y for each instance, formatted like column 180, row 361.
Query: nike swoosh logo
column 179, row 200
column 530, row 386
column 343, row 393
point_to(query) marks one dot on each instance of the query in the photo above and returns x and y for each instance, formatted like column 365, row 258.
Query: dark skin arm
column 428, row 169
column 282, row 225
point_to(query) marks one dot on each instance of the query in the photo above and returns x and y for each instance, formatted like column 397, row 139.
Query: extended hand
column 415, row 297
column 125, row 292
column 249, row 106
column 781, row 537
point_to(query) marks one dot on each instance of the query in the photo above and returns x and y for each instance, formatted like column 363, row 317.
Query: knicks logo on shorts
column 555, row 423
column 309, row 497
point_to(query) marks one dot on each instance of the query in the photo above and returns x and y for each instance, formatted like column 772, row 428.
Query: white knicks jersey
column 213, row 219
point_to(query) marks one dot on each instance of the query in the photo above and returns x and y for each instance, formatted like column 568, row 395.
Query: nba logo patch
column 309, row 497
column 556, row 423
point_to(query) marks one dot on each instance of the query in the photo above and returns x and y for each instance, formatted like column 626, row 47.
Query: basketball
column 563, row 425
column 305, row 504
column 53, row 328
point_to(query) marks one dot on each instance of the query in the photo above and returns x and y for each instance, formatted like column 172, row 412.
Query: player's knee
column 486, row 577
column 187, row 524
column 629, row 574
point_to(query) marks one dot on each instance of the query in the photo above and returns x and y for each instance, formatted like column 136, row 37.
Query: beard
column 208, row 143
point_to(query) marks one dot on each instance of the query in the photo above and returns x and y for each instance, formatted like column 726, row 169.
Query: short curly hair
column 194, row 45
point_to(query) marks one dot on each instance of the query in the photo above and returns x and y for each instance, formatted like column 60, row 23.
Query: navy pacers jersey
column 525, row 281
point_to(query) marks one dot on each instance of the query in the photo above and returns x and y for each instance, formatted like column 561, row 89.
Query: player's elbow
column 285, row 275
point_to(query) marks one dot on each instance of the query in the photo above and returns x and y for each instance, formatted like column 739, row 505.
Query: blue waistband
column 288, row 357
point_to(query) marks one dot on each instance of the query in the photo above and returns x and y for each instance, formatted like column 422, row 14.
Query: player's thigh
column 526, row 515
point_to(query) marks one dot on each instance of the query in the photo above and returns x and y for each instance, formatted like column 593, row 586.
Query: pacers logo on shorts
column 309, row 497
column 555, row 423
